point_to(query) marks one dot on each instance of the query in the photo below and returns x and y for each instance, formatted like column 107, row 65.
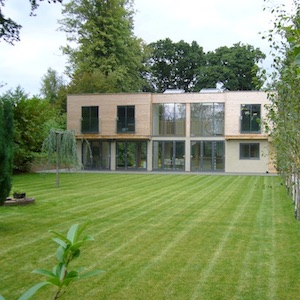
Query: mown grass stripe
column 238, row 213
column 190, row 223
column 158, row 235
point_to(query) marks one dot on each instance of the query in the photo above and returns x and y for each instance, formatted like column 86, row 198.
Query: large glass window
column 131, row 155
column 169, row 119
column 169, row 155
column 250, row 118
column 249, row 150
column 207, row 119
column 90, row 119
column 96, row 155
column 207, row 156
column 125, row 119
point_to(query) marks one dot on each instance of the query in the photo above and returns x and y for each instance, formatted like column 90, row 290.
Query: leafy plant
column 68, row 250
column 61, row 144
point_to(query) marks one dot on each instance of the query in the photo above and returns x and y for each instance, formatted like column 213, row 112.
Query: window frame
column 214, row 119
column 249, row 150
column 89, row 124
column 126, row 123
column 254, row 120
column 169, row 119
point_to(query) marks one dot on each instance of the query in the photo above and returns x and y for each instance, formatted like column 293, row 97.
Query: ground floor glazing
column 160, row 155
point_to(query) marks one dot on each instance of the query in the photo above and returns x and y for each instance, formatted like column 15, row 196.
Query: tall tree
column 173, row 65
column 52, row 82
column 284, row 111
column 9, row 29
column 101, row 39
column 236, row 67
column 6, row 147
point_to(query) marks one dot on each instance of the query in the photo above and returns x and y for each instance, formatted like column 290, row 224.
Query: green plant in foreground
column 67, row 251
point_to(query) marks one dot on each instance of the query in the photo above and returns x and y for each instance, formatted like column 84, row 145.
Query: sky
column 211, row 23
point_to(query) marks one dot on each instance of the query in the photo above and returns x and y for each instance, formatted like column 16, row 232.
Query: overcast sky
column 212, row 23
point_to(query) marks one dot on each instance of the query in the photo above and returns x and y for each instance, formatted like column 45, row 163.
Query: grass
column 157, row 236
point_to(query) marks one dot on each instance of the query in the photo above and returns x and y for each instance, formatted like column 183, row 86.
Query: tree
column 9, row 29
column 235, row 67
column 174, row 65
column 284, row 111
column 33, row 118
column 102, row 43
column 6, row 148
column 52, row 83
column 60, row 145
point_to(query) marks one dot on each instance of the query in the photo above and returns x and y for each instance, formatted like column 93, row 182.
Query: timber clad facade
column 191, row 132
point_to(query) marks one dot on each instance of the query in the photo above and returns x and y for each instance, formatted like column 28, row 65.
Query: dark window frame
column 90, row 119
column 250, row 118
column 126, row 119
column 249, row 151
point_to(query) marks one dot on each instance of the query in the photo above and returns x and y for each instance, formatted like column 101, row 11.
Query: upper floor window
column 169, row 119
column 250, row 118
column 207, row 119
column 90, row 119
column 125, row 119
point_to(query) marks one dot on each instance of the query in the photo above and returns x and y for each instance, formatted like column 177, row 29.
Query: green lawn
column 157, row 236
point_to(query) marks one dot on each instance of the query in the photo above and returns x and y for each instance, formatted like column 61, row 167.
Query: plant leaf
column 59, row 235
column 60, row 242
column 72, row 234
column 82, row 228
column 88, row 238
column 60, row 254
column 29, row 293
column 62, row 272
column 43, row 272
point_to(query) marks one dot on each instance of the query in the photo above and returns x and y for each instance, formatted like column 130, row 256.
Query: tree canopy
column 102, row 44
column 32, row 121
column 174, row 65
column 236, row 67
column 52, row 82
column 185, row 66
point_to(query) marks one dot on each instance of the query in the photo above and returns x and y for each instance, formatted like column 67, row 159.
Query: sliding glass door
column 131, row 155
column 207, row 156
column 169, row 155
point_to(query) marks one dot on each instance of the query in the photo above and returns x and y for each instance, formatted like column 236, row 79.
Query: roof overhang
column 112, row 137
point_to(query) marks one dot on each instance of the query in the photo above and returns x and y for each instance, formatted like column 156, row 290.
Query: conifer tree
column 6, row 148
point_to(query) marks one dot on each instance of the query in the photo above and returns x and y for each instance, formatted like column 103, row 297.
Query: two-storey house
column 210, row 131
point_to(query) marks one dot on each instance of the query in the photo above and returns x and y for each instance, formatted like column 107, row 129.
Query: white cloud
column 212, row 23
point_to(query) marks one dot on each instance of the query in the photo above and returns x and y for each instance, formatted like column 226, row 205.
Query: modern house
column 210, row 131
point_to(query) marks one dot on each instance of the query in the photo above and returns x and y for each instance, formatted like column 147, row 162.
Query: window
column 250, row 118
column 207, row 119
column 249, row 151
column 125, row 119
column 169, row 155
column 169, row 119
column 131, row 155
column 90, row 119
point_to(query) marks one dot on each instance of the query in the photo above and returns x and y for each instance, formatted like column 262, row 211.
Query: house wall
column 108, row 111
column 233, row 101
column 232, row 138
column 233, row 163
